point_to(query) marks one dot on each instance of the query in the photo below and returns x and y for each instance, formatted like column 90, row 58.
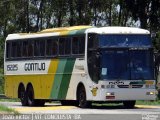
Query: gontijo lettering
column 34, row 66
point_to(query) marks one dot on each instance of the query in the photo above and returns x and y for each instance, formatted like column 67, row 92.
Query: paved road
column 118, row 112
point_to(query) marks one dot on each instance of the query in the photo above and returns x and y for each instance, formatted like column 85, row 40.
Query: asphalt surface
column 58, row 112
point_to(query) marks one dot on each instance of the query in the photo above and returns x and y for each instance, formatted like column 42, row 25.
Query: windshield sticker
column 104, row 71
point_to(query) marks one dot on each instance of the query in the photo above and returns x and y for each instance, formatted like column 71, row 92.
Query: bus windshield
column 123, row 57
column 126, row 64
column 124, row 41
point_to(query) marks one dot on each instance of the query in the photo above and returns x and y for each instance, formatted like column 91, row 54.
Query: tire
column 83, row 103
column 22, row 95
column 30, row 96
column 129, row 104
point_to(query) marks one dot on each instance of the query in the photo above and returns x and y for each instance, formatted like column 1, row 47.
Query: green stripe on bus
column 66, row 79
column 77, row 32
column 82, row 31
column 58, row 78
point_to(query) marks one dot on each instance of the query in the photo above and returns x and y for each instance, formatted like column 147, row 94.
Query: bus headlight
column 109, row 93
column 150, row 93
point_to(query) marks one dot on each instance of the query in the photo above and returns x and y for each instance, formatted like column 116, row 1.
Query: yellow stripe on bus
column 50, row 78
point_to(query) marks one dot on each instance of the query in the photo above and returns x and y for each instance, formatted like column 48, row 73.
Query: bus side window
column 62, row 46
column 8, row 50
column 14, row 50
column 49, row 47
column 75, row 45
column 41, row 48
column 30, row 48
column 92, row 41
column 19, row 49
column 81, row 45
column 25, row 49
column 68, row 46
column 52, row 47
column 78, row 45
column 36, row 48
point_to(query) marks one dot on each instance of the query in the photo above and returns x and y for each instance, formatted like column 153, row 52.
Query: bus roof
column 117, row 30
column 61, row 31
column 74, row 30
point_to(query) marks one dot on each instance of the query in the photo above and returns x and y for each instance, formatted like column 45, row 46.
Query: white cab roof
column 117, row 30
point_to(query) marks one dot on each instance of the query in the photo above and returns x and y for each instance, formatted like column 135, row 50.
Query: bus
column 79, row 65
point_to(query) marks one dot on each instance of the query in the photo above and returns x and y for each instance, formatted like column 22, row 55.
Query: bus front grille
column 130, row 86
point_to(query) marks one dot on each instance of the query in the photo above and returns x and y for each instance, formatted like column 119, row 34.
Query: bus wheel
column 30, row 94
column 83, row 103
column 22, row 95
column 129, row 104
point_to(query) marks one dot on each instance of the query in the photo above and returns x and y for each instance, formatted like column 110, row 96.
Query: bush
column 1, row 81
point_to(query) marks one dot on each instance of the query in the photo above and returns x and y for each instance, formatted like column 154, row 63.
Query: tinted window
column 52, row 47
column 15, row 49
column 30, row 49
column 64, row 46
column 8, row 46
column 39, row 48
column 25, row 49
column 92, row 41
column 78, row 45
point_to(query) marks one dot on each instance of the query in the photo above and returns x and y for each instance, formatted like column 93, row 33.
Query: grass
column 9, row 100
column 4, row 109
column 141, row 102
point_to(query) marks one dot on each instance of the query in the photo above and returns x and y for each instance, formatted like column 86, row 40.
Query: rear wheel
column 30, row 94
column 83, row 103
column 22, row 95
column 129, row 104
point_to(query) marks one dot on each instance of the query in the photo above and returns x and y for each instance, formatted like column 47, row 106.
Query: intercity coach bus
column 80, row 65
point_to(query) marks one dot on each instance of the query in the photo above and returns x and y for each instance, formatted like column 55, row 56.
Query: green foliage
column 1, row 65
column 140, row 102
column 1, row 82
column 156, row 41
column 8, row 110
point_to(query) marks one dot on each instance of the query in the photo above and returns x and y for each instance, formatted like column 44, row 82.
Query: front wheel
column 129, row 104
column 83, row 103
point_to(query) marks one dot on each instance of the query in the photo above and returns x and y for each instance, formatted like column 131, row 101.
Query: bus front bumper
column 126, row 94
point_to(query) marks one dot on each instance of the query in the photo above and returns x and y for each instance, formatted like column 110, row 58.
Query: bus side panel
column 62, row 79
column 8, row 86
column 66, row 79
column 48, row 80
column 58, row 79
column 79, row 75
column 42, row 83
